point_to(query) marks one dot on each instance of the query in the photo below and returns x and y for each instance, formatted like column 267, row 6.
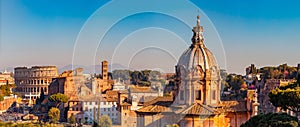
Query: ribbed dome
column 197, row 55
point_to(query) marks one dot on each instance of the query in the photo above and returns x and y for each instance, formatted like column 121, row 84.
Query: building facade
column 118, row 85
column 31, row 81
column 86, row 110
column 265, row 105
column 7, row 102
column 67, row 83
column 6, row 78
column 107, row 107
column 86, row 94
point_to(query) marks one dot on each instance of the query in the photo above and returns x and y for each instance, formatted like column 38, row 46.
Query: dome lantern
column 198, row 38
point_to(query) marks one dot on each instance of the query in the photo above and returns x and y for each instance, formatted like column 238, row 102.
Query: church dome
column 198, row 73
column 198, row 56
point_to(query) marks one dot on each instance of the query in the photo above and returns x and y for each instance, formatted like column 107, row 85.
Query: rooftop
column 136, row 89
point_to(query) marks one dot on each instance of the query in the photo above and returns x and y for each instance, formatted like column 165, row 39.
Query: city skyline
column 45, row 33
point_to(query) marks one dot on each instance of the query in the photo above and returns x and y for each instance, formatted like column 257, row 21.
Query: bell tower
column 104, row 70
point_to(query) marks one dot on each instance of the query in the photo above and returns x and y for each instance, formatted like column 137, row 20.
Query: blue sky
column 45, row 32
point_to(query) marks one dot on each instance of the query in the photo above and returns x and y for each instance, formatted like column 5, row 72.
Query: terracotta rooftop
column 148, row 99
column 232, row 106
column 123, row 91
column 159, row 104
column 111, row 93
column 112, row 99
column 163, row 104
column 142, row 90
column 112, row 96
column 125, row 103
column 160, row 100
column 199, row 109
column 154, row 109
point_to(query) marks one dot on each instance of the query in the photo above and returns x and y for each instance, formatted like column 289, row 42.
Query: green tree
column 104, row 121
column 72, row 119
column 1, row 98
column 235, row 81
column 135, row 77
column 145, row 75
column 145, row 83
column 298, row 79
column 122, row 74
column 40, row 99
column 154, row 74
column 42, row 95
column 54, row 114
column 272, row 120
column 286, row 97
column 58, row 99
column 5, row 89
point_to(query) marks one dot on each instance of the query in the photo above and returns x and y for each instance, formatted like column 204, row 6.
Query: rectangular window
column 181, row 95
column 198, row 94
column 214, row 94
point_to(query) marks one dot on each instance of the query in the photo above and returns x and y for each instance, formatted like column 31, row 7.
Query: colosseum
column 31, row 81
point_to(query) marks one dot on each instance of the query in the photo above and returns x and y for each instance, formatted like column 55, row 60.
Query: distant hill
column 92, row 68
column 86, row 69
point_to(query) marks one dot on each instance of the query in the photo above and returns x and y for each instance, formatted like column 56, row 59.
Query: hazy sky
column 147, row 34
